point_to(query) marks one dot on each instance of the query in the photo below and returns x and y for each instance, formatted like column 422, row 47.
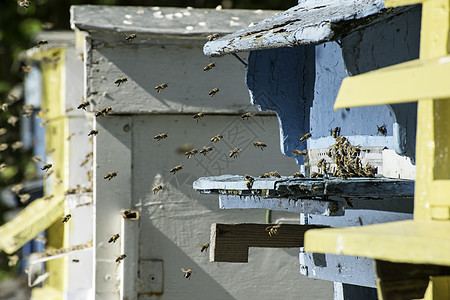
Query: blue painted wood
column 282, row 80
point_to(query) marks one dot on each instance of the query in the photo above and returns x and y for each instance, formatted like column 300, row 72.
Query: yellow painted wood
column 424, row 242
column 406, row 82
column 396, row 3
column 45, row 292
column 438, row 288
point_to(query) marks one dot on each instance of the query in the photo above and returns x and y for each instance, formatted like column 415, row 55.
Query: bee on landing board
column 114, row 238
column 305, row 137
column 209, row 66
column 298, row 175
column 234, row 153
column 24, row 3
column 161, row 87
column 131, row 37
column 176, row 169
column 213, row 92
column 110, row 175
column 212, row 37
column 120, row 81
column 260, row 145
column 157, row 188
column 274, row 174
column 41, row 42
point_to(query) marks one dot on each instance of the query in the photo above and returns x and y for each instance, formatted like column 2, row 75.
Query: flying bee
column 70, row 136
column 305, row 137
column 27, row 113
column 46, row 167
column 157, row 188
column 71, row 191
column 41, row 42
column 104, row 111
column 209, row 66
column 161, row 87
column 191, row 153
column 120, row 258
column 216, row 138
column 212, row 37
column 114, row 238
column 93, row 132
column 26, row 68
column 24, row 198
column 298, row 175
column 234, row 152
column 246, row 115
column 187, row 273
column 44, row 123
column 336, row 132
column 176, row 169
column 13, row 120
column 274, row 174
column 24, row 3
column 85, row 161
column 5, row 106
column 160, row 136
column 298, row 152
column 260, row 145
column 204, row 247
column 2, row 167
column 206, row 150
column 198, row 116
column 110, row 175
column 83, row 105
column 131, row 37
column 265, row 175
column 3, row 131
column 382, row 130
column 120, row 81
column 75, row 260
column 273, row 230
column 213, row 92
column 66, row 218
column 48, row 197
column 3, row 147
column 16, row 189
column 47, row 175
column 130, row 215
column 16, row 145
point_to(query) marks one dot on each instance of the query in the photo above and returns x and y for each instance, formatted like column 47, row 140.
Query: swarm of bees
column 198, row 116
column 234, row 153
column 131, row 37
column 120, row 81
column 213, row 92
column 260, row 145
column 209, row 66
column 160, row 136
column 120, row 258
column 66, row 218
column 273, row 230
column 110, row 175
column 157, row 188
column 176, row 169
column 187, row 273
column 104, row 111
column 114, row 238
column 206, row 150
column 161, row 87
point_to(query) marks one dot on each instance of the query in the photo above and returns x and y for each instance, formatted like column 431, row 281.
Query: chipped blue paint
column 282, row 80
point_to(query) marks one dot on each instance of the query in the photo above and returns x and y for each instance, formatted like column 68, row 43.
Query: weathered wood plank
column 230, row 242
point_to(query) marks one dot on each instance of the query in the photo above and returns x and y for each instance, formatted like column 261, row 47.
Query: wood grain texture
column 230, row 242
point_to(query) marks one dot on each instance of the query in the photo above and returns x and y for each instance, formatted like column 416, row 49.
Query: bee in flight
column 24, row 198
column 260, row 145
column 103, row 112
column 273, row 230
column 46, row 167
column 131, row 37
column 160, row 136
column 246, row 115
column 213, row 92
column 176, row 169
column 382, row 130
column 212, row 37
column 24, row 3
column 191, row 153
column 198, row 116
column 48, row 197
column 204, row 247
column 66, row 218
column 157, row 188
column 5, row 106
column 187, row 273
column 26, row 68
column 83, row 105
column 120, row 258
column 93, row 132
column 161, row 87
column 206, row 150
column 209, row 66
column 70, row 136
column 41, row 42
column 110, row 175
column 130, row 215
column 16, row 145
column 305, row 137
column 120, row 81
column 114, row 238
column 298, row 152
column 216, row 138
column 234, row 152
column 75, row 260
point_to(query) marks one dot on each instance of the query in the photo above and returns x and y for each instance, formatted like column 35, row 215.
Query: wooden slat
column 230, row 242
